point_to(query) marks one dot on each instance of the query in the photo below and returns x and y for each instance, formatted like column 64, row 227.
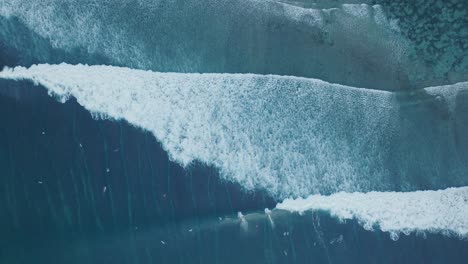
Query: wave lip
column 442, row 211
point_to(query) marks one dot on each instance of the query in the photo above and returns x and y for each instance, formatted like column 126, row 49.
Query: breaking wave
column 442, row 211
column 287, row 135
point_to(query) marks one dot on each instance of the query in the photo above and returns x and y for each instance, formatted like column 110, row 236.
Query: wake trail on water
column 442, row 211
column 289, row 136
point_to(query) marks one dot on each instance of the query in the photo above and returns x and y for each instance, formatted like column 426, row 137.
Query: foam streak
column 443, row 211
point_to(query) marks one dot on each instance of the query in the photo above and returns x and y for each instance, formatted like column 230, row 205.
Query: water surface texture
column 233, row 131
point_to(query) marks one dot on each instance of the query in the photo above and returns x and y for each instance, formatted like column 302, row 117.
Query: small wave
column 290, row 136
column 442, row 211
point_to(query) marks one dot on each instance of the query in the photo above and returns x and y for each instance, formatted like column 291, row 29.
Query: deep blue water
column 74, row 189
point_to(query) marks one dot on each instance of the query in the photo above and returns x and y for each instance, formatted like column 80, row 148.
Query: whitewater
column 441, row 211
column 289, row 136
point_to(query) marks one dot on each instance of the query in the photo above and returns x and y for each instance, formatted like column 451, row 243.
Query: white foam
column 443, row 211
column 289, row 136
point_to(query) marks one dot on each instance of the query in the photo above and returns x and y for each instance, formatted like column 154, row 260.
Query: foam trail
column 287, row 135
column 442, row 211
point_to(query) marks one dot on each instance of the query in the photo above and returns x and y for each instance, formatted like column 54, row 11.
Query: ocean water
column 233, row 131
